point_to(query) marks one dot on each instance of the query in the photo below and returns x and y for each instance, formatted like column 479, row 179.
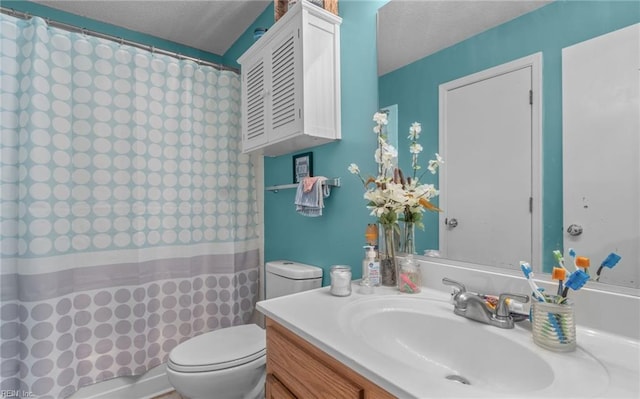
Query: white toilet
column 229, row 363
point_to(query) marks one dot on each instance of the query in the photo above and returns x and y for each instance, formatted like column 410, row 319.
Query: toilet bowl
column 227, row 364
column 230, row 363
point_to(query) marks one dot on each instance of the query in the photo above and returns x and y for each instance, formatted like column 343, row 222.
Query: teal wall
column 97, row 26
column 560, row 24
column 336, row 237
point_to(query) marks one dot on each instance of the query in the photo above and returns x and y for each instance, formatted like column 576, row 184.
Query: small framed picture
column 302, row 166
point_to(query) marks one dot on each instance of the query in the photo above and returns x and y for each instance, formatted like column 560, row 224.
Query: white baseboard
column 147, row 386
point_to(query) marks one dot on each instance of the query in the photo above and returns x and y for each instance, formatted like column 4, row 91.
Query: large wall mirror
column 424, row 47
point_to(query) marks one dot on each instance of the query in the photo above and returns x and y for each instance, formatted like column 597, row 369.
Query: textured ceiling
column 409, row 30
column 209, row 25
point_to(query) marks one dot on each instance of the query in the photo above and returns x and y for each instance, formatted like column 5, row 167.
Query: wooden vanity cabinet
column 297, row 369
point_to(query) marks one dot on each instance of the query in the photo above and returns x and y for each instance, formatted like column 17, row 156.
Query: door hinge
column 531, row 97
column 298, row 33
column 530, row 204
column 299, row 113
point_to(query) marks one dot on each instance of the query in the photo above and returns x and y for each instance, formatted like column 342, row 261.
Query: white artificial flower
column 354, row 169
column 433, row 166
column 391, row 151
column 378, row 211
column 427, row 191
column 378, row 155
column 387, row 200
column 385, row 156
column 380, row 118
column 415, row 148
column 414, row 131
column 435, row 163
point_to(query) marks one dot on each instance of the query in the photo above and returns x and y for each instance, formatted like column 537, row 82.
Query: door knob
column 451, row 222
column 574, row 230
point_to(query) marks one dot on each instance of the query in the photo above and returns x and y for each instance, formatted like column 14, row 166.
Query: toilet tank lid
column 293, row 270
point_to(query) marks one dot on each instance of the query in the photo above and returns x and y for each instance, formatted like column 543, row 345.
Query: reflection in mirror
column 392, row 124
column 462, row 44
column 600, row 85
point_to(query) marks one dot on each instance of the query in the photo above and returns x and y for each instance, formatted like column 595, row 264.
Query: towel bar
column 335, row 182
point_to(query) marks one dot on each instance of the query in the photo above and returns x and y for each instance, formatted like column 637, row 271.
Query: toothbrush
column 610, row 261
column 555, row 322
column 572, row 255
column 578, row 278
column 575, row 281
column 559, row 258
column 583, row 262
column 528, row 273
column 559, row 274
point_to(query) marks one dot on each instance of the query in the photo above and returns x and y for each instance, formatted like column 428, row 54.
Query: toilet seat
column 219, row 349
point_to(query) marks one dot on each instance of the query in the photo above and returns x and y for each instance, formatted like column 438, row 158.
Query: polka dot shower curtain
column 128, row 212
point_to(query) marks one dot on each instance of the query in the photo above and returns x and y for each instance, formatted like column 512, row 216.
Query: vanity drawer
column 307, row 372
column 276, row 389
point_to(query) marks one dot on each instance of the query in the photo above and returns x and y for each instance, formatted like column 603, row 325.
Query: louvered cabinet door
column 255, row 96
column 285, row 79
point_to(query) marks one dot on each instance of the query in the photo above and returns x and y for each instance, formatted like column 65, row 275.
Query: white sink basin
column 425, row 336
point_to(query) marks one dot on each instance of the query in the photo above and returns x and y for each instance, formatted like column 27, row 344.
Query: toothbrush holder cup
column 554, row 326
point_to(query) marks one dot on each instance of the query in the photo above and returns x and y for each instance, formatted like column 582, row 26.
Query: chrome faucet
column 474, row 307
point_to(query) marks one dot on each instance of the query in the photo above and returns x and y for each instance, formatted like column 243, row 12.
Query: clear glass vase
column 387, row 254
column 408, row 244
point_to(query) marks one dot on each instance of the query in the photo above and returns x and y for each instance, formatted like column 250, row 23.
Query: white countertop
column 316, row 316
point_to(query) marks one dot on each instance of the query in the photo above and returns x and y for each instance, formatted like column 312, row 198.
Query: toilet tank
column 283, row 277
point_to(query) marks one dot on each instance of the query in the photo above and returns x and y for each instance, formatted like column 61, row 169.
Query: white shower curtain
column 128, row 214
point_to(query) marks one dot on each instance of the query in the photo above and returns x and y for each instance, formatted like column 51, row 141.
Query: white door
column 486, row 182
column 601, row 147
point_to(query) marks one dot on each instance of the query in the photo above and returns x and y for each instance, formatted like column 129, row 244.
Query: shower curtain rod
column 152, row 49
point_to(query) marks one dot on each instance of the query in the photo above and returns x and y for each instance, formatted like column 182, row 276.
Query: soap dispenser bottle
column 371, row 266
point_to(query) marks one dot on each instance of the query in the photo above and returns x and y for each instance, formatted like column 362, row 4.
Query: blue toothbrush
column 528, row 273
column 610, row 261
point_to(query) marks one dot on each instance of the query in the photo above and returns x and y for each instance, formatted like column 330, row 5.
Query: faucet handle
column 459, row 286
column 502, row 310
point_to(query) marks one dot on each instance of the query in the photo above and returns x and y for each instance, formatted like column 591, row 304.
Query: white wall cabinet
column 291, row 83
